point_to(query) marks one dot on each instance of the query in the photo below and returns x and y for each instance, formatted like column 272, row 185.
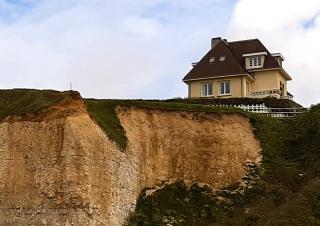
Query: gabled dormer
column 278, row 57
column 254, row 60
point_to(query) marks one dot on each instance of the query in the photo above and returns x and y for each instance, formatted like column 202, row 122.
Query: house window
column 211, row 60
column 222, row 58
column 255, row 62
column 206, row 89
column 224, row 88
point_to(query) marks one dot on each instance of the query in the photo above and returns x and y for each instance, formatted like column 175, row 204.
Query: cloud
column 142, row 49
column 291, row 27
column 113, row 49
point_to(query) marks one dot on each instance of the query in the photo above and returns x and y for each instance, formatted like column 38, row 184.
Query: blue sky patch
column 310, row 23
column 13, row 9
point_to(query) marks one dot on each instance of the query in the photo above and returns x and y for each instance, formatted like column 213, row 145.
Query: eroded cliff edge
column 59, row 167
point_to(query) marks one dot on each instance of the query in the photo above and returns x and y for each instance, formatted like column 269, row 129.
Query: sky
column 143, row 48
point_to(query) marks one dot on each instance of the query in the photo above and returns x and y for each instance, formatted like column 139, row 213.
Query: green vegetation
column 179, row 204
column 271, row 102
column 19, row 102
column 104, row 113
column 304, row 141
column 287, row 193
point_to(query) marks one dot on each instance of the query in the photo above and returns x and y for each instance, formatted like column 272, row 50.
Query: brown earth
column 57, row 167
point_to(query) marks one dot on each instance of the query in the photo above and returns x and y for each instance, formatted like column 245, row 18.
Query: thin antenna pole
column 70, row 86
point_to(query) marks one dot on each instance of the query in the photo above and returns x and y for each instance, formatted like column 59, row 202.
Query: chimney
column 215, row 41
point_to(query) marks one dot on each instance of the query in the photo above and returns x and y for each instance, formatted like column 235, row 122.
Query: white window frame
column 224, row 84
column 255, row 62
column 206, row 84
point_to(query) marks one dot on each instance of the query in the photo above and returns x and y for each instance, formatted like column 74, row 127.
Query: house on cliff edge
column 238, row 69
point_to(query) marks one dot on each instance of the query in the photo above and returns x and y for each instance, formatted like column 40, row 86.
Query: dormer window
column 254, row 60
column 278, row 57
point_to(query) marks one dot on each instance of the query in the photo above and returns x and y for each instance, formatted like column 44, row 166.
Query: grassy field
column 287, row 193
column 23, row 101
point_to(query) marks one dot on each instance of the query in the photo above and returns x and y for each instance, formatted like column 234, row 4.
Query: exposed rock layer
column 61, row 169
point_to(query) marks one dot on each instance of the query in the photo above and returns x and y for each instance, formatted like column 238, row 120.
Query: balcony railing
column 268, row 93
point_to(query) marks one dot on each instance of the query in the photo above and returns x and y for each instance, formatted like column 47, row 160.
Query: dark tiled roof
column 234, row 61
column 252, row 46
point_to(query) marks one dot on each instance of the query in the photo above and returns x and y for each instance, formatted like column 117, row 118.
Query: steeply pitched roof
column 205, row 69
column 234, row 63
column 252, row 46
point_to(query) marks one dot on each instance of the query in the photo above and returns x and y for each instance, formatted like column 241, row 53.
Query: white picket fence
column 273, row 112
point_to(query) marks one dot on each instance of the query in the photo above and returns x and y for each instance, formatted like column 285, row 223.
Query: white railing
column 268, row 93
column 273, row 112
column 255, row 108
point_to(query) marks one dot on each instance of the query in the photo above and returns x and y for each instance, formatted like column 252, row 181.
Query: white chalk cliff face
column 61, row 168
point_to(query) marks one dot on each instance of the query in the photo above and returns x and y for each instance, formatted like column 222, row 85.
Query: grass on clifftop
column 271, row 102
column 104, row 113
column 17, row 102
column 287, row 193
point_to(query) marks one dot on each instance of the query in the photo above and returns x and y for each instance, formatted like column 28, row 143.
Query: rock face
column 208, row 148
column 61, row 168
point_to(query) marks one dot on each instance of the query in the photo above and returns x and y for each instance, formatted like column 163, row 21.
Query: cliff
column 283, row 190
column 59, row 167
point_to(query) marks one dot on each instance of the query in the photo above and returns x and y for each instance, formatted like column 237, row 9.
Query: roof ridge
column 245, row 40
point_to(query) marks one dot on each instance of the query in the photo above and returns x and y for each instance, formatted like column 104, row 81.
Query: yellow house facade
column 238, row 69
